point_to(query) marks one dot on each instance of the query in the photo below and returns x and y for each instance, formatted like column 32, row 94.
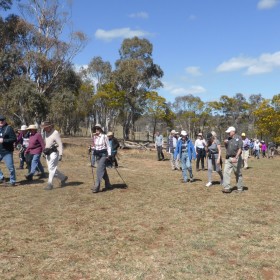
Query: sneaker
column 29, row 177
column 209, row 184
column 239, row 191
column 63, row 182
column 226, row 190
column 48, row 187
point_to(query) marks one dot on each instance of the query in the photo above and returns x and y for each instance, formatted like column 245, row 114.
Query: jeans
column 9, row 161
column 186, row 165
column 36, row 163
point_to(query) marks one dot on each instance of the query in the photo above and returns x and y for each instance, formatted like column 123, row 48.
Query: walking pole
column 121, row 177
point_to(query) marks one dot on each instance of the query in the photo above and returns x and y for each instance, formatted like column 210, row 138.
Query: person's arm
column 41, row 140
column 59, row 143
column 11, row 136
column 219, row 153
column 109, row 150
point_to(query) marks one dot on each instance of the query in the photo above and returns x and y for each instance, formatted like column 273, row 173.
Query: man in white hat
column 233, row 161
column 171, row 146
column 186, row 152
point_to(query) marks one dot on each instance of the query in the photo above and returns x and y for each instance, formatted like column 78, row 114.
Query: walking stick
column 121, row 177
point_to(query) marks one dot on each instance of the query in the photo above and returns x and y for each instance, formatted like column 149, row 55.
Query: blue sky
column 207, row 48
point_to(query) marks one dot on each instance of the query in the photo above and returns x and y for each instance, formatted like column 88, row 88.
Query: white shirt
column 199, row 143
column 101, row 142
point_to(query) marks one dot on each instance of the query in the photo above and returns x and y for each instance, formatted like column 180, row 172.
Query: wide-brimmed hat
column 23, row 127
column 98, row 125
column 110, row 134
column 32, row 126
column 46, row 124
column 173, row 131
column 184, row 133
column 199, row 134
column 2, row 118
column 231, row 128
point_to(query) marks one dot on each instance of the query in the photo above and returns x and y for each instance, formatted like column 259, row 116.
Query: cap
column 231, row 128
column 243, row 134
column 2, row 118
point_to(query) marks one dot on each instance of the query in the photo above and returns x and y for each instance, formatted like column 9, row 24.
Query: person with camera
column 102, row 153
column 233, row 161
column 186, row 152
column 213, row 149
column 53, row 153
column 7, row 140
column 33, row 152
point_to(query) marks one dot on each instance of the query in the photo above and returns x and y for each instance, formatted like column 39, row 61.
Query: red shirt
column 36, row 144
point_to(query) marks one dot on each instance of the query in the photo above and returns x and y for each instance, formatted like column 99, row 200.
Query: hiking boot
column 63, row 182
column 209, row 184
column 48, row 187
column 226, row 190
column 29, row 177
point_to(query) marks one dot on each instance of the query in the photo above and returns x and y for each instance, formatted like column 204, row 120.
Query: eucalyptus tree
column 135, row 75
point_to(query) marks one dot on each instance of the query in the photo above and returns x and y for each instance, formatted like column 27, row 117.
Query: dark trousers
column 160, row 153
column 200, row 157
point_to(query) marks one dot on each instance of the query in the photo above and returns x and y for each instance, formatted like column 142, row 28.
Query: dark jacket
column 114, row 144
column 9, row 138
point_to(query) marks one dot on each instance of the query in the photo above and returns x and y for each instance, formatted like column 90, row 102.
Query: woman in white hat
column 102, row 152
column 34, row 151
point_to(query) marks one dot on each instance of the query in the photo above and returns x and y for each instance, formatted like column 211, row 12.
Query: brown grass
column 156, row 228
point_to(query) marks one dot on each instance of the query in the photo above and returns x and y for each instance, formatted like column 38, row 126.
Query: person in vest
column 186, row 152
column 102, row 152
column 114, row 144
column 213, row 149
column 233, row 162
column 53, row 152
column 33, row 152
column 7, row 140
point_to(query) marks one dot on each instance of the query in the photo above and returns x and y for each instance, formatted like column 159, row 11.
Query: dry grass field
column 155, row 228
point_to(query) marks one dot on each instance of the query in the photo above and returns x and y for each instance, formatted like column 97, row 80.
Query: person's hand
column 60, row 158
column 234, row 160
column 1, row 140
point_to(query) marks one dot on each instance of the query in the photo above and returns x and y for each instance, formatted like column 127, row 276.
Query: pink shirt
column 36, row 144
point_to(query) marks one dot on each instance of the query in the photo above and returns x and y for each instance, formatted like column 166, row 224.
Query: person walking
column 186, row 152
column 171, row 146
column 53, row 152
column 245, row 150
column 213, row 149
column 264, row 148
column 22, row 142
column 7, row 140
column 199, row 145
column 159, row 145
column 102, row 151
column 33, row 152
column 257, row 149
column 271, row 149
column 114, row 144
column 233, row 161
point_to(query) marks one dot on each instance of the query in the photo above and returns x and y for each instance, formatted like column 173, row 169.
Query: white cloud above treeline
column 126, row 32
column 265, row 63
column 143, row 15
column 181, row 91
column 193, row 70
column 267, row 4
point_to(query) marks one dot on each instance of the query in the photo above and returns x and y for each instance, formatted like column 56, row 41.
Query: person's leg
column 40, row 166
column 158, row 152
column 189, row 168
column 226, row 174
column 184, row 166
column 238, row 174
column 197, row 160
column 172, row 161
column 100, row 170
column 106, row 179
column 246, row 156
column 161, row 153
column 9, row 161
column 209, row 170
column 1, row 173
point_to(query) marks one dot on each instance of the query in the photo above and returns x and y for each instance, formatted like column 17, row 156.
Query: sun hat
column 184, row 133
column 23, row 127
column 243, row 134
column 110, row 133
column 199, row 134
column 32, row 126
column 173, row 131
column 231, row 128
column 98, row 125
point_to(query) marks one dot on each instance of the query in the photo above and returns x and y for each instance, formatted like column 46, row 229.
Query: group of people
column 31, row 145
column 182, row 151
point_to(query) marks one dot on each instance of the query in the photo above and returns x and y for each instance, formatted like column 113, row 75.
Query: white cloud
column 143, row 15
column 193, row 70
column 109, row 35
column 265, row 63
column 267, row 4
column 181, row 91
